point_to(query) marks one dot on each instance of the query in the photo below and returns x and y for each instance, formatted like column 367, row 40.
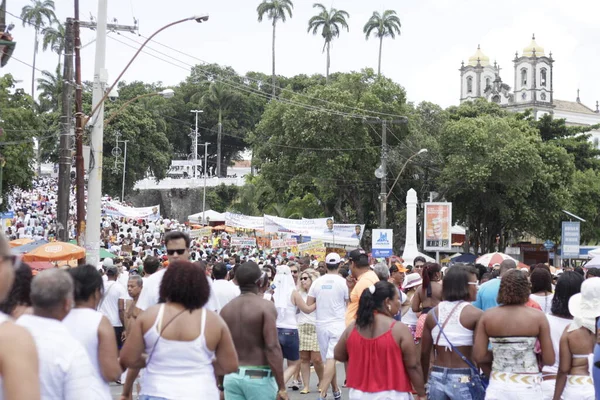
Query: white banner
column 117, row 210
column 312, row 245
column 196, row 233
column 354, row 231
column 244, row 221
column 306, row 227
column 243, row 241
column 277, row 244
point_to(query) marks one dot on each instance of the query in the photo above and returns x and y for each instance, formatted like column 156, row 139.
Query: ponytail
column 429, row 271
column 371, row 300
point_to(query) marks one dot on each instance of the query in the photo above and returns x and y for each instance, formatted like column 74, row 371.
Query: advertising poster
column 117, row 210
column 244, row 221
column 438, row 227
column 383, row 243
column 283, row 243
column 243, row 241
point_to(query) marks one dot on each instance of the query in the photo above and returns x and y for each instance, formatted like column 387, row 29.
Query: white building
column 533, row 87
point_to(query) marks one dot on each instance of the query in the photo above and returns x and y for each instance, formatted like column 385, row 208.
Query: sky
column 436, row 35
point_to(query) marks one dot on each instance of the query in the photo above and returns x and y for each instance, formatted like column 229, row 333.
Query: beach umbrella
column 593, row 263
column 19, row 242
column 26, row 248
column 465, row 258
column 55, row 251
column 490, row 259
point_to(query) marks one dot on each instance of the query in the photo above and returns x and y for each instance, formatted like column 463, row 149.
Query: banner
column 438, row 227
column 198, row 233
column 277, row 244
column 570, row 239
column 306, row 247
column 382, row 244
column 300, row 226
column 114, row 209
column 243, row 241
column 353, row 231
column 244, row 221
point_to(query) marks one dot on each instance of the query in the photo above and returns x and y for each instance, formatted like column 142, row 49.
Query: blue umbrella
column 465, row 258
column 29, row 247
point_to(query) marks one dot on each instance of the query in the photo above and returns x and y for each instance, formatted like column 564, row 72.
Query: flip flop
column 305, row 391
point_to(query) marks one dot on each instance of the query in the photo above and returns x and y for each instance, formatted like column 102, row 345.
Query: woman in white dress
column 541, row 288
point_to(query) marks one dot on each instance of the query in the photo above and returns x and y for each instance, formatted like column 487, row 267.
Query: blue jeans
column 596, row 371
column 454, row 384
column 290, row 343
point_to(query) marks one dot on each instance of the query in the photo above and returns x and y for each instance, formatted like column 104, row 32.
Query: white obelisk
column 410, row 246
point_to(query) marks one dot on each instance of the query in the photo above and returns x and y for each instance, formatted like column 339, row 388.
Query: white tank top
column 3, row 319
column 457, row 334
column 557, row 327
column 286, row 318
column 178, row 369
column 83, row 324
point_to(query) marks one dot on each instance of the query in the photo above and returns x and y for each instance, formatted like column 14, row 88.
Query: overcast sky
column 436, row 36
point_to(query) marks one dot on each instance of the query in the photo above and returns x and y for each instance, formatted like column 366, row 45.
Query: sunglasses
column 294, row 271
column 304, row 278
column 178, row 251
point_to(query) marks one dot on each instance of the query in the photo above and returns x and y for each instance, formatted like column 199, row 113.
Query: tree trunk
column 35, row 48
column 273, row 50
column 380, row 50
column 328, row 63
column 219, row 146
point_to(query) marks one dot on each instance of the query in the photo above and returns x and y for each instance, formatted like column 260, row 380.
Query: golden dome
column 479, row 56
column 528, row 51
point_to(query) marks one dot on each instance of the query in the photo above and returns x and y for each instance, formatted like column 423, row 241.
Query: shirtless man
column 134, row 288
column 251, row 320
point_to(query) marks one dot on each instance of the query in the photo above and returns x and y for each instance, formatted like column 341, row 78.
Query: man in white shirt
column 112, row 304
column 224, row 290
column 66, row 372
column 330, row 293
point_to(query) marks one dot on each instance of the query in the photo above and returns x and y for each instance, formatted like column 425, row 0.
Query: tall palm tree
column 54, row 38
column 50, row 87
column 329, row 21
column 382, row 25
column 275, row 10
column 39, row 13
column 220, row 98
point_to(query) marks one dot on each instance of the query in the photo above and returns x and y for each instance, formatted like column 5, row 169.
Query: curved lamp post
column 166, row 94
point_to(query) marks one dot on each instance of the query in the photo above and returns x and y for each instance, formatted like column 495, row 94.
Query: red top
column 376, row 365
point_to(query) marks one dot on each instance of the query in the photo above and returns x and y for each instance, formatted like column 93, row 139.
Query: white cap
column 333, row 258
column 108, row 262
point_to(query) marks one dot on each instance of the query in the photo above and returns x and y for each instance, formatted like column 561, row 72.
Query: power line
column 282, row 89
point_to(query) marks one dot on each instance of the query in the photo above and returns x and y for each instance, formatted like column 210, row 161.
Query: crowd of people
column 179, row 318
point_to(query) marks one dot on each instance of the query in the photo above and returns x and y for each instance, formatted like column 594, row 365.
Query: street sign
column 570, row 239
column 382, row 245
column 549, row 244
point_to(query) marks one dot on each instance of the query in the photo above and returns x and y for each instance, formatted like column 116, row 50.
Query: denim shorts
column 454, row 384
column 290, row 343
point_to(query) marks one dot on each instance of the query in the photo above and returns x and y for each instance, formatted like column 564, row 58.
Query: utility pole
column 124, row 171
column 79, row 178
column 219, row 150
column 94, row 205
column 64, row 166
column 205, row 173
column 383, row 191
column 195, row 140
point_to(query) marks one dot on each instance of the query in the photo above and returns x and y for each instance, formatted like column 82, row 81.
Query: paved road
column 294, row 395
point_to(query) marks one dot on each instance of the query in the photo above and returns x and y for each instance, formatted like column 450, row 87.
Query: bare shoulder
column 18, row 337
column 473, row 311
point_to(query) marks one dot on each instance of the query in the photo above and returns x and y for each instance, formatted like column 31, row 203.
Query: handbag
column 483, row 379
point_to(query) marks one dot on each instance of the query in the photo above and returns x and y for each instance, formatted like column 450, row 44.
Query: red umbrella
column 490, row 259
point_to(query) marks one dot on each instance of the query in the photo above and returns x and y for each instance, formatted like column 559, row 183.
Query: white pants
column 578, row 391
column 328, row 336
column 548, row 389
column 498, row 390
column 387, row 395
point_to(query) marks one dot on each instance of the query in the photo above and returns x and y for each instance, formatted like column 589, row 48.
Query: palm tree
column 50, row 87
column 330, row 21
column 275, row 10
column 386, row 24
column 220, row 98
column 54, row 38
column 39, row 14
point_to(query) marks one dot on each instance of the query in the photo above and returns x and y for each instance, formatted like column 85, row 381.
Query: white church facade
column 532, row 88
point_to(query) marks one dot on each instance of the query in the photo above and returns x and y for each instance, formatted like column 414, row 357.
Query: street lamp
column 383, row 197
column 91, row 222
column 165, row 94
column 196, row 142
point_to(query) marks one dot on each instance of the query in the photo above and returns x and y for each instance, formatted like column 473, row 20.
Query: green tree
column 54, row 39
column 382, row 25
column 39, row 14
column 18, row 127
column 275, row 10
column 220, row 98
column 50, row 88
column 329, row 22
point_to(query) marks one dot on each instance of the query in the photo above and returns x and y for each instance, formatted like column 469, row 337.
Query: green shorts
column 250, row 383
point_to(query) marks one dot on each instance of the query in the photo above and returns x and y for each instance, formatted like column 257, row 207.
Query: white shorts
column 505, row 389
column 387, row 395
column 328, row 336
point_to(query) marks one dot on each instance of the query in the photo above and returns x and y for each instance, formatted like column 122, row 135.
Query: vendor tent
column 209, row 215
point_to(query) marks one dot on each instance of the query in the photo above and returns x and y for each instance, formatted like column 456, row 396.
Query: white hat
column 107, row 263
column 333, row 258
column 412, row 280
column 587, row 303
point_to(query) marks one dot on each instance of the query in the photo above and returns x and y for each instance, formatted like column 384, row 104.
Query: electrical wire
column 27, row 64
column 282, row 89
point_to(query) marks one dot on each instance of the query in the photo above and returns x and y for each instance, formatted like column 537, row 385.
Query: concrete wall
column 174, row 203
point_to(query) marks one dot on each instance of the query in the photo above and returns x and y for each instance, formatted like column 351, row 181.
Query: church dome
column 529, row 50
column 479, row 56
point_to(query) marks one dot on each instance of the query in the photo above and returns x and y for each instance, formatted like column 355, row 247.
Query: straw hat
column 412, row 280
